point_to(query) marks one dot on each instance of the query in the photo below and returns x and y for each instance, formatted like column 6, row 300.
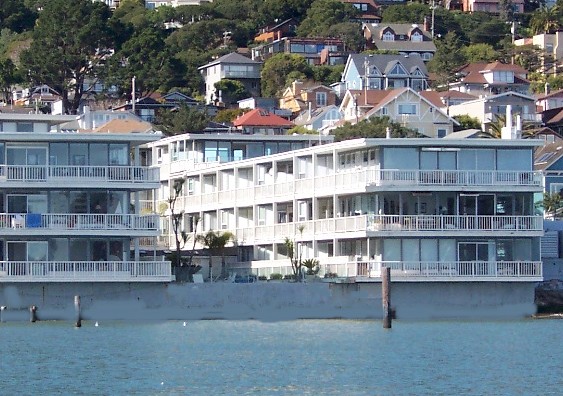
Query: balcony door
column 26, row 163
column 28, row 250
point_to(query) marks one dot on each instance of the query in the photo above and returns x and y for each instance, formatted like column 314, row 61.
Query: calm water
column 284, row 358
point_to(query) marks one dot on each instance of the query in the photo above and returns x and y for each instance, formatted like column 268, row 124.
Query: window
column 388, row 36
column 24, row 127
column 407, row 108
column 321, row 98
column 384, row 111
column 416, row 37
column 441, row 133
column 398, row 70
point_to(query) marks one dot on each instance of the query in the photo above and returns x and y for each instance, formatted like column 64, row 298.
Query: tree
column 327, row 75
column 467, row 122
column 9, row 76
column 447, row 59
column 276, row 69
column 231, row 91
column 545, row 20
column 323, row 15
column 373, row 127
column 146, row 57
column 229, row 115
column 552, row 203
column 70, row 40
column 181, row 237
column 216, row 242
column 506, row 10
column 181, row 120
column 476, row 53
column 14, row 15
column 295, row 254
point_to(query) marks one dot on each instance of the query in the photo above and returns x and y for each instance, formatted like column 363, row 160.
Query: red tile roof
column 433, row 97
column 260, row 117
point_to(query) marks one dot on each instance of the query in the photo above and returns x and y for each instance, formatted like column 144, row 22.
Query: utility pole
column 133, row 94
column 432, row 27
column 513, row 33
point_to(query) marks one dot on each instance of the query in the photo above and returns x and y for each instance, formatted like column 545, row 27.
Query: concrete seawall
column 267, row 300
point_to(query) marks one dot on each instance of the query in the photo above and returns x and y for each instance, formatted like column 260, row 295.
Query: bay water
column 305, row 357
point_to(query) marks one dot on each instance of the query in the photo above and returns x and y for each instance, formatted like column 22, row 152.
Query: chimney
column 426, row 24
column 546, row 88
column 388, row 133
column 309, row 111
column 297, row 87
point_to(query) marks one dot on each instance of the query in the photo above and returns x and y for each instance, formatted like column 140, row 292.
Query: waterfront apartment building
column 69, row 207
column 431, row 209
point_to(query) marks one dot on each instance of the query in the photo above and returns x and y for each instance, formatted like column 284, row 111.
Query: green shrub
column 262, row 277
column 331, row 275
column 276, row 276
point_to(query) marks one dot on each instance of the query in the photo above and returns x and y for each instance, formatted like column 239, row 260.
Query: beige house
column 403, row 105
column 552, row 44
column 300, row 96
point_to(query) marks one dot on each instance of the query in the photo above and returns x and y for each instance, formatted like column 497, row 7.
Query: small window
column 407, row 108
column 24, row 127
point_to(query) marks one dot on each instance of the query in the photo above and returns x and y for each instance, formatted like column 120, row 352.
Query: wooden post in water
column 2, row 309
column 33, row 314
column 386, row 296
column 78, row 322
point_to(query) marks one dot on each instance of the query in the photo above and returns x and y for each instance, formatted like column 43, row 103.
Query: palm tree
column 215, row 242
column 545, row 20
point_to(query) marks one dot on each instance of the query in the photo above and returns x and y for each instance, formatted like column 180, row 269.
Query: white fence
column 125, row 173
column 80, row 221
column 85, row 271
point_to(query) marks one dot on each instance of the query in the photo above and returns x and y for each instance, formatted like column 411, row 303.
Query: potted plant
column 313, row 268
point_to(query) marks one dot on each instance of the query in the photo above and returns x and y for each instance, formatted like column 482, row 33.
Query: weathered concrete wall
column 267, row 301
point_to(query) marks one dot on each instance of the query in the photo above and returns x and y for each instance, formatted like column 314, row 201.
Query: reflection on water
column 308, row 357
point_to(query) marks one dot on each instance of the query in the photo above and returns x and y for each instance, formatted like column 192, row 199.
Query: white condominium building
column 431, row 209
column 66, row 212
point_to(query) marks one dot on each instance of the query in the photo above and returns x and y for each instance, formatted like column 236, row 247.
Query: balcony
column 84, row 224
column 85, row 271
column 427, row 225
column 73, row 174
column 419, row 271
column 449, row 178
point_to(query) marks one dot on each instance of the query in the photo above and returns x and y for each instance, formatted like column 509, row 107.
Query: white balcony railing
column 452, row 222
column 73, row 221
column 85, row 271
column 133, row 174
column 393, row 223
column 429, row 271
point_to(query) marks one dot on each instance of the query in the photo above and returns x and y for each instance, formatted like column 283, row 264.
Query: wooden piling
column 33, row 314
column 386, row 296
column 78, row 321
column 2, row 309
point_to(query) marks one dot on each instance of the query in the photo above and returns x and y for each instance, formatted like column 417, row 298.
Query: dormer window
column 416, row 37
column 388, row 36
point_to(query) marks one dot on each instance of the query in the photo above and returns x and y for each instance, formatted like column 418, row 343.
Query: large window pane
column 98, row 154
column 118, row 154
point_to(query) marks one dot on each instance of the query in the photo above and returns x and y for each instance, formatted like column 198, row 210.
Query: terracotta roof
column 124, row 126
column 372, row 97
column 433, row 97
column 503, row 66
column 260, row 117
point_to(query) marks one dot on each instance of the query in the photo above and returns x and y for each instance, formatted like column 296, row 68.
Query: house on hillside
column 549, row 101
column 368, row 10
column 320, row 119
column 300, row 96
column 317, row 51
column 405, row 38
column 385, row 72
column 550, row 44
column 402, row 105
column 259, row 121
column 488, row 109
column 491, row 6
column 282, row 29
column 232, row 66
column 485, row 79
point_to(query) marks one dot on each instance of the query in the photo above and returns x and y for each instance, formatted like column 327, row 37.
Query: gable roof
column 473, row 72
column 260, row 117
column 554, row 94
column 383, row 61
column 232, row 58
column 433, row 97
column 547, row 155
column 304, row 118
column 404, row 29
column 125, row 126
